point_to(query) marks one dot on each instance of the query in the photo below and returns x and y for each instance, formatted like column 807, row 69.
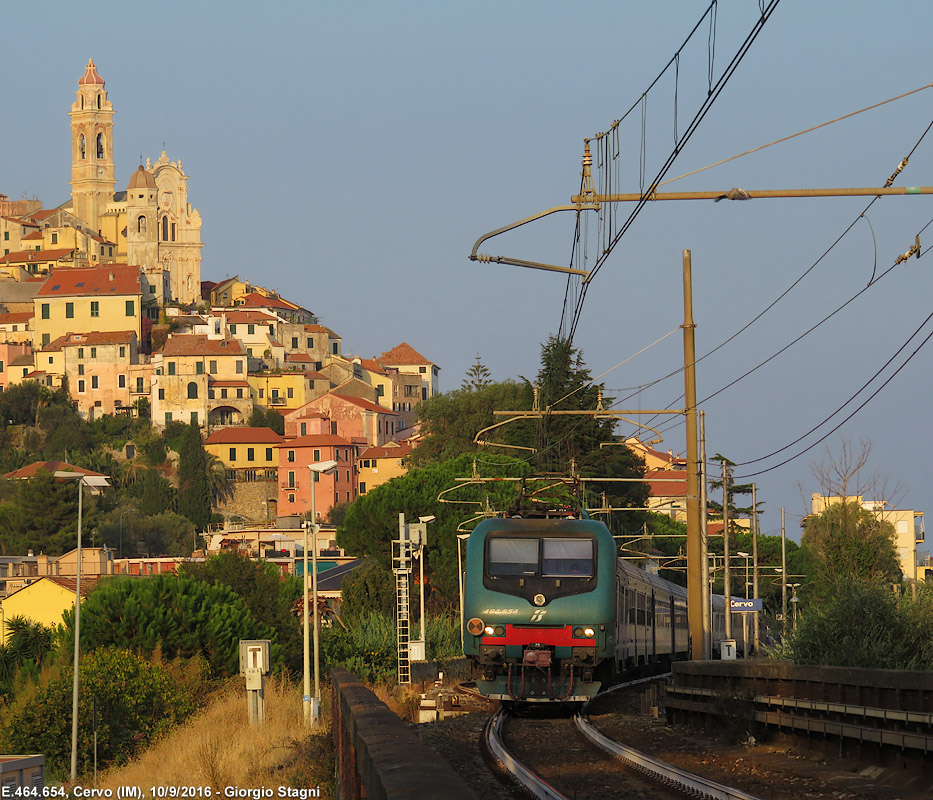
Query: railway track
column 649, row 776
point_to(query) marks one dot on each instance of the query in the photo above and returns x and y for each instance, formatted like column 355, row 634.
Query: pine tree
column 477, row 377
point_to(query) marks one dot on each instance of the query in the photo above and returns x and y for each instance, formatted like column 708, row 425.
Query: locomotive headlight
column 489, row 630
column 497, row 630
column 589, row 633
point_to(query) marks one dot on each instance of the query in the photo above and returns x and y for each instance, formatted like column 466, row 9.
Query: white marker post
column 255, row 665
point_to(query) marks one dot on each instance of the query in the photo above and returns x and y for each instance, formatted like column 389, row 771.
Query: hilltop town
column 103, row 294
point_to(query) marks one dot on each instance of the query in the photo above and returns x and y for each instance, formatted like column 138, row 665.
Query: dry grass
column 219, row 748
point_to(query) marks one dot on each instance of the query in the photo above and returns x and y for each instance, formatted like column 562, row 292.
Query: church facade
column 151, row 222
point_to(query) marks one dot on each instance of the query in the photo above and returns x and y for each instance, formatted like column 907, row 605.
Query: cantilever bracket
column 517, row 262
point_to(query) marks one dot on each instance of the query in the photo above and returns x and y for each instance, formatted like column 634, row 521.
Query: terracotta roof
column 16, row 316
column 241, row 435
column 666, row 483
column 88, row 582
column 372, row 365
column 43, row 213
column 398, row 451
column 114, row 280
column 36, row 373
column 24, row 360
column 317, row 440
column 49, row 466
column 100, row 239
column 90, row 338
column 36, row 255
column 33, row 235
column 197, row 344
column 359, row 401
column 403, row 354
column 28, row 223
column 90, row 77
column 241, row 317
column 303, row 358
column 321, row 329
column 257, row 300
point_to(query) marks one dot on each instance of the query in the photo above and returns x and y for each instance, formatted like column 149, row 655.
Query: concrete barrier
column 378, row 756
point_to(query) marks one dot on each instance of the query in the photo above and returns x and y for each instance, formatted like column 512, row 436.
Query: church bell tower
column 92, row 171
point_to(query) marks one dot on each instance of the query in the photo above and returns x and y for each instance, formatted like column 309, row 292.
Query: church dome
column 142, row 179
column 90, row 77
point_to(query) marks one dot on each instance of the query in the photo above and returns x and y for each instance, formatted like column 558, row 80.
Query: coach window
column 567, row 558
column 512, row 557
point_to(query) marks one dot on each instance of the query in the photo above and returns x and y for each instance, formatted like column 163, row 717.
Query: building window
column 194, row 417
column 317, row 456
column 95, row 308
column 94, row 382
column 291, row 456
column 290, row 392
column 422, row 370
column 239, row 394
column 93, row 352
column 131, row 308
column 223, row 393
column 139, row 385
column 192, row 391
column 199, row 368
column 81, row 387
column 268, row 454
column 291, row 479
column 121, row 381
column 161, row 394
column 168, row 417
column 335, row 348
column 232, row 456
column 233, row 329
column 239, row 367
column 173, row 231
column 250, row 453
column 82, row 148
column 45, row 311
column 294, row 342
column 291, row 498
column 304, row 428
column 100, row 137
column 164, row 229
column 54, row 238
column 80, row 369
column 1, row 366
column 250, row 329
column 46, row 338
column 212, row 367
column 122, row 351
column 171, row 367
column 362, row 488
column 310, row 343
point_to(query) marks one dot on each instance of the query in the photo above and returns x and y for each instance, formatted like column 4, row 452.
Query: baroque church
column 151, row 223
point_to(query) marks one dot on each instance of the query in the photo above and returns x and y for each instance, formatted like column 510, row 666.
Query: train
column 550, row 613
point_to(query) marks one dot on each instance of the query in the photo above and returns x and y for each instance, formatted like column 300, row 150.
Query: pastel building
column 295, row 480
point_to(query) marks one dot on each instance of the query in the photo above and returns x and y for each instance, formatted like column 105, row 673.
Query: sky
column 349, row 155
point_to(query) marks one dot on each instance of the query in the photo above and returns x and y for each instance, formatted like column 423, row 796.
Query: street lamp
column 311, row 712
column 95, row 483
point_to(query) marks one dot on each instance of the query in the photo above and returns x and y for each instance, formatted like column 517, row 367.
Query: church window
column 81, row 146
column 100, row 145
column 164, row 229
column 173, row 231
column 192, row 391
column 141, row 224
column 98, row 101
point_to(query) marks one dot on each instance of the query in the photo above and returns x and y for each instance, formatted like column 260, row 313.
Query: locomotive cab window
column 512, row 557
column 567, row 558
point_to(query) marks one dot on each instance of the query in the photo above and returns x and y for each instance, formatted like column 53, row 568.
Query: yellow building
column 45, row 599
column 287, row 390
column 378, row 465
column 245, row 450
column 105, row 298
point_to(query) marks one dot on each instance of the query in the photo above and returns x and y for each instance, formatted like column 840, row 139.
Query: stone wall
column 246, row 501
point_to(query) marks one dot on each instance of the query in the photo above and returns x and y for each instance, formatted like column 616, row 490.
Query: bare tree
column 845, row 474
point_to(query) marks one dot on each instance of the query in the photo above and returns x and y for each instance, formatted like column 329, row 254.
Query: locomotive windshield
column 547, row 557
column 513, row 557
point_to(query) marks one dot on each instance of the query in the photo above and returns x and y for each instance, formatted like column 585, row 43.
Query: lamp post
column 311, row 711
column 95, row 483
column 794, row 600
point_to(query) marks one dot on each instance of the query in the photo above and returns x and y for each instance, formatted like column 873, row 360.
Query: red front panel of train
column 556, row 637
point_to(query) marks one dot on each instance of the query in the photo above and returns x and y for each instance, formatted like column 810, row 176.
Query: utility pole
column 695, row 584
column 727, row 574
column 704, row 543
column 783, row 577
column 756, row 630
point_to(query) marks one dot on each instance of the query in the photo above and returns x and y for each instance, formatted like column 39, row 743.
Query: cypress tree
column 194, row 496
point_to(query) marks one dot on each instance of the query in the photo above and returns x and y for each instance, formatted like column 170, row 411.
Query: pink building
column 295, row 478
column 9, row 351
column 356, row 419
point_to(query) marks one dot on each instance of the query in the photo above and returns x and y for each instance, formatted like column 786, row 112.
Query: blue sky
column 349, row 155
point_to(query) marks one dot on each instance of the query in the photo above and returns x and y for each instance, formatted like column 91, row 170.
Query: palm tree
column 217, row 479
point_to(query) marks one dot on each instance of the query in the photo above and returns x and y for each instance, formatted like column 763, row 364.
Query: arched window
column 192, row 391
column 98, row 101
column 164, row 229
column 100, row 145
column 82, row 101
column 81, row 146
column 141, row 224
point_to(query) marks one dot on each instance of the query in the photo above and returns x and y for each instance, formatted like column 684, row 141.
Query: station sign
column 746, row 605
